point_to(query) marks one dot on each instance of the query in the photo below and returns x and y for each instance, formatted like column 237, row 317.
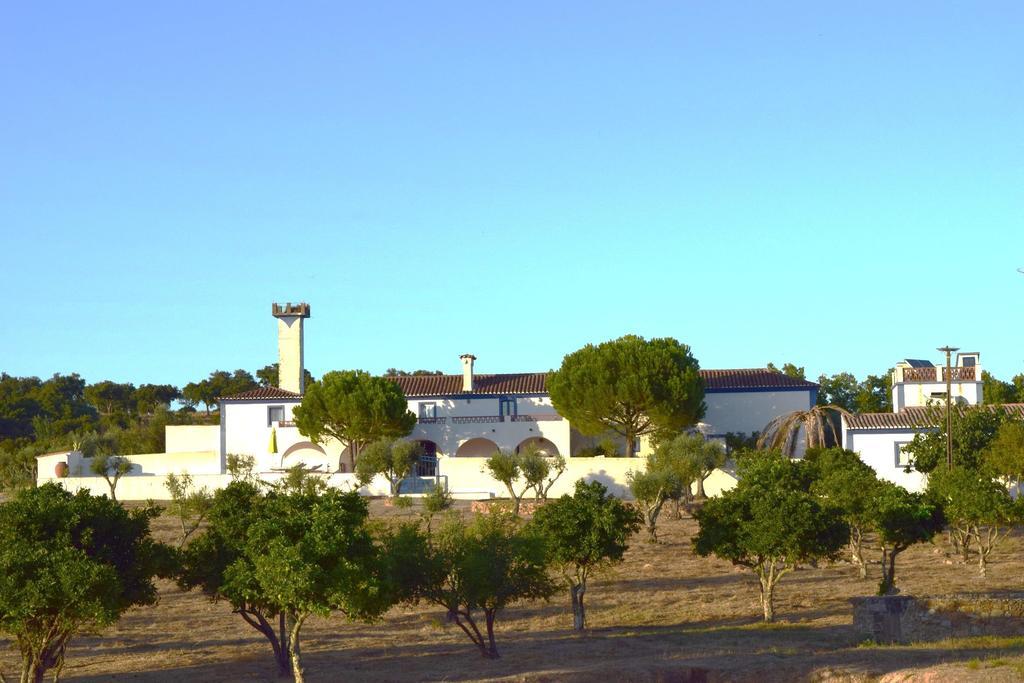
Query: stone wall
column 908, row 619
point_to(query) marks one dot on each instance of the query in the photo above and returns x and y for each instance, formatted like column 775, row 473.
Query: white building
column 918, row 388
column 461, row 420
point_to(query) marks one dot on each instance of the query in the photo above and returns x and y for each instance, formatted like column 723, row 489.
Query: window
column 275, row 414
column 903, row 458
column 428, row 410
column 507, row 406
column 970, row 361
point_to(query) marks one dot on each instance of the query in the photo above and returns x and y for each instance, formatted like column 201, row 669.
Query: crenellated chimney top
column 467, row 371
column 291, row 374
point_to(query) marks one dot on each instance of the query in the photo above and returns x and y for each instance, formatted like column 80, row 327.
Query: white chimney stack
column 291, row 375
column 467, row 371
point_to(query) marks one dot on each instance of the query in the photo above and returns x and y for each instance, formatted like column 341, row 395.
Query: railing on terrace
column 957, row 374
column 431, row 420
column 542, row 417
column 285, row 423
column 468, row 419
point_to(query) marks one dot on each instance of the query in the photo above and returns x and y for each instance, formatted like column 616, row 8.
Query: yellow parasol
column 273, row 440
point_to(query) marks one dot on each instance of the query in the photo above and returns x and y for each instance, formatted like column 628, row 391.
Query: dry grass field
column 663, row 615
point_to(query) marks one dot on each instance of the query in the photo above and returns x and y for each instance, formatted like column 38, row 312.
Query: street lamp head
column 949, row 349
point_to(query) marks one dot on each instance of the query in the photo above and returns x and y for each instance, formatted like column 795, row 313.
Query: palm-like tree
column 821, row 425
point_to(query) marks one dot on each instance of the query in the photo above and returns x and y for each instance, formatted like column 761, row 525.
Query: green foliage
column 269, row 376
column 996, row 391
column 241, row 467
column 974, row 429
column 111, row 468
column 70, row 564
column 437, row 500
column 395, row 459
column 585, row 531
column 355, row 408
column 1004, row 455
column 630, row 386
column 17, row 466
column 873, row 395
column 770, row 522
column 483, row 566
column 35, row 410
column 539, row 470
column 283, row 556
column 506, row 468
column 789, row 370
column 846, row 482
column 693, row 458
column 651, row 488
column 977, row 506
column 190, row 505
column 901, row 520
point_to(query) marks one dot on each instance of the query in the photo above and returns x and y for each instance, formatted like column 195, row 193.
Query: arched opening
column 427, row 464
column 545, row 447
column 308, row 454
column 476, row 448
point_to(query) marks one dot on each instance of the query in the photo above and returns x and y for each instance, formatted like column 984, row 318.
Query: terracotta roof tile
column 262, row 394
column 536, row 383
column 917, row 417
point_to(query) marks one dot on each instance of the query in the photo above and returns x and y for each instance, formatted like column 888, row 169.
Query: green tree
column 630, row 386
column 846, row 482
column 539, row 470
column 506, row 468
column 995, row 391
column 189, row 504
column 976, row 505
column 840, row 390
column 70, row 564
column 875, row 394
column 287, row 555
column 269, row 376
column 149, row 398
column 788, row 369
column 651, row 488
column 111, row 468
column 482, row 567
column 703, row 456
column 770, row 522
column 395, row 459
column 584, row 532
column 355, row 408
column 901, row 520
column 973, row 430
column 110, row 397
column 1004, row 455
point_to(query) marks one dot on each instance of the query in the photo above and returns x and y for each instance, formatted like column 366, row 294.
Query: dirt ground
column 663, row 615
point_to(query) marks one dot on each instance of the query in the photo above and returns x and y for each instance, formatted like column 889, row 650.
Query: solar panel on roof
column 915, row 363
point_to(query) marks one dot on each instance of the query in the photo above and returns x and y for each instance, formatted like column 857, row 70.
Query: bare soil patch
column 663, row 615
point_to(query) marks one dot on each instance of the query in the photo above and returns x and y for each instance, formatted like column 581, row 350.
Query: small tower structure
column 918, row 383
column 291, row 374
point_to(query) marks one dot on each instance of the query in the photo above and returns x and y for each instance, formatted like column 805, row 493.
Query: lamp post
column 949, row 396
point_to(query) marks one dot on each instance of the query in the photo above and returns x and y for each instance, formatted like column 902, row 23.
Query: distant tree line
column 104, row 418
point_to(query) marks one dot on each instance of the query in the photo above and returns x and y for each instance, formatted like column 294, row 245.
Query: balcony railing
column 542, row 417
column 431, row 420
column 957, row 374
column 470, row 419
column 285, row 423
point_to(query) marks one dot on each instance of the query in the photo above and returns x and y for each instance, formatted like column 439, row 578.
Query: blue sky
column 835, row 186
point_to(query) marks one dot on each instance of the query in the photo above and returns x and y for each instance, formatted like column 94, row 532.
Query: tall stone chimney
column 467, row 371
column 291, row 375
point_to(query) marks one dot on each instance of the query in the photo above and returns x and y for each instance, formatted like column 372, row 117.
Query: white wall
column 878, row 449
column 191, row 438
column 911, row 394
column 749, row 411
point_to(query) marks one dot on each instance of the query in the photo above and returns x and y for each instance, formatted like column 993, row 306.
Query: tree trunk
column 293, row 649
column 492, row 648
column 282, row 651
column 768, row 597
column 888, row 585
column 630, row 445
column 676, row 513
column 700, row 495
column 857, row 552
column 579, row 616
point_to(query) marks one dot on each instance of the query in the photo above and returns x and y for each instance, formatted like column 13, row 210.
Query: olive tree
column 847, row 482
column 651, row 488
column 584, row 532
column 901, row 519
column 540, row 471
column 977, row 506
column 506, row 468
column 481, row 567
column 70, row 564
column 111, row 468
column 395, row 459
column 190, row 505
column 770, row 522
column 1005, row 453
column 630, row 386
column 355, row 408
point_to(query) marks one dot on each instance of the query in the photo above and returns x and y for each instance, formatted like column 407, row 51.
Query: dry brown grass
column 663, row 614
